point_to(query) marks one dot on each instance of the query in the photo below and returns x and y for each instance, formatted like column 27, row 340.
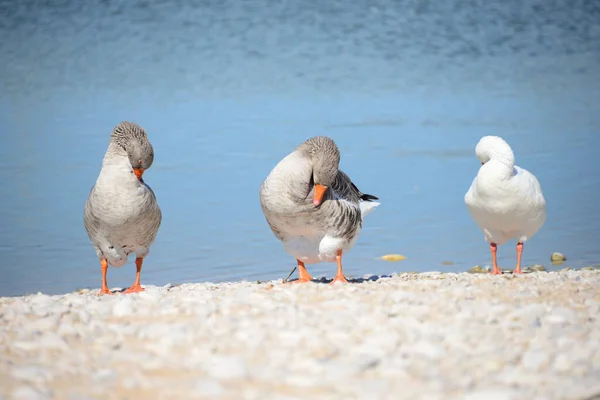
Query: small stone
column 228, row 367
column 124, row 307
column 283, row 397
column 33, row 374
column 48, row 323
column 66, row 329
column 136, row 380
column 8, row 315
column 83, row 316
column 151, row 293
column 556, row 319
column 589, row 389
column 27, row 393
column 535, row 360
column 498, row 394
column 131, row 383
column 565, row 343
column 430, row 273
column 299, row 380
column 594, row 306
column 563, row 363
column 590, row 268
column 393, row 257
column 538, row 268
column 52, row 341
column 580, row 369
column 209, row 388
column 561, row 315
column 103, row 375
column 529, row 315
column 596, row 359
column 558, row 258
column 79, row 396
column 493, row 365
column 476, row 270
column 41, row 305
column 427, row 349
column 366, row 362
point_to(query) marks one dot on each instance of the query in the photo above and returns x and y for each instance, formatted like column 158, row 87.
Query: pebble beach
column 407, row 336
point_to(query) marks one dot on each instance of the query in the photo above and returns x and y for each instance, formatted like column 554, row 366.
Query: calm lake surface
column 225, row 89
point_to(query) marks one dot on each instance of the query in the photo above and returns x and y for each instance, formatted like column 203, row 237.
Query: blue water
column 225, row 89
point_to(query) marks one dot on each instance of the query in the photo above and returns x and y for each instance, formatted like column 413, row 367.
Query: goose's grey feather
column 121, row 215
column 313, row 233
column 347, row 190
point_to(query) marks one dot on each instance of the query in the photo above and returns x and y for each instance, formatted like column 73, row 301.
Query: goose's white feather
column 366, row 207
column 506, row 201
column 312, row 244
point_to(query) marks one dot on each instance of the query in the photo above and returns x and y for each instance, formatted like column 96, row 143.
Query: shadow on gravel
column 373, row 278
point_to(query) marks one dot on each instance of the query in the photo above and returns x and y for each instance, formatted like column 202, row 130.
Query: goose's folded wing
column 345, row 189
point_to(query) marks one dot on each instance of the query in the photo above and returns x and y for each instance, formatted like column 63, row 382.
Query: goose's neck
column 505, row 158
column 115, row 155
column 498, row 168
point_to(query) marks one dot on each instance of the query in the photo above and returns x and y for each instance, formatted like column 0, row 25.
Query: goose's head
column 494, row 148
column 325, row 159
column 132, row 138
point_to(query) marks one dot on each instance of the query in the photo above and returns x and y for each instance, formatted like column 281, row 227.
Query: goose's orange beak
column 319, row 193
column 139, row 172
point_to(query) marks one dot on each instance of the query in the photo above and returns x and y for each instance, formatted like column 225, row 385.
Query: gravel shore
column 409, row 336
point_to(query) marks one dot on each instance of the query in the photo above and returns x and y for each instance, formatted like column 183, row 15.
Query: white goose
column 505, row 200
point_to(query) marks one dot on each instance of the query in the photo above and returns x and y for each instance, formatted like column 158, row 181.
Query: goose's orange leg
column 495, row 269
column 339, row 276
column 104, row 267
column 519, row 254
column 136, row 287
column 303, row 275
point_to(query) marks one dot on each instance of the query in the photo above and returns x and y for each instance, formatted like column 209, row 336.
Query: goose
column 505, row 200
column 313, row 207
column 121, row 215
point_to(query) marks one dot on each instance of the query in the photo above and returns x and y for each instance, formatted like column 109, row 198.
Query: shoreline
column 447, row 267
column 427, row 335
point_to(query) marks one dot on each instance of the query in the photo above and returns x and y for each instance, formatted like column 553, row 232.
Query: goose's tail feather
column 367, row 206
